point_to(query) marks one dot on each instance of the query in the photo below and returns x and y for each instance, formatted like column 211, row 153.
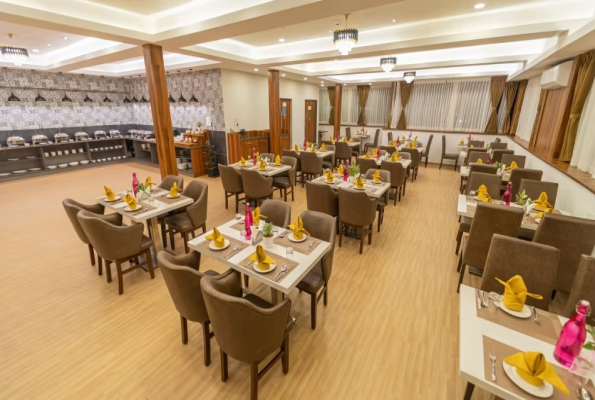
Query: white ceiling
column 437, row 38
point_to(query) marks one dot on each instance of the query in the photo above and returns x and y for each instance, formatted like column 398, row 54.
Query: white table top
column 161, row 207
column 306, row 262
column 378, row 189
column 269, row 172
column 405, row 162
column 465, row 173
column 320, row 154
column 471, row 352
column 419, row 149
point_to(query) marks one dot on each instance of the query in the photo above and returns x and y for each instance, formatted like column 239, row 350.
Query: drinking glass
column 289, row 252
column 580, row 372
column 243, row 234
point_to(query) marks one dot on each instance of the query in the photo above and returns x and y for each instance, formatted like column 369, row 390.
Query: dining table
column 294, row 260
column 271, row 168
column 420, row 149
column 154, row 206
column 319, row 153
column 465, row 170
column 489, row 332
column 372, row 189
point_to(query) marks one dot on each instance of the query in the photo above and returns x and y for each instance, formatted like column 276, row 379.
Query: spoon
column 235, row 248
column 283, row 270
column 583, row 394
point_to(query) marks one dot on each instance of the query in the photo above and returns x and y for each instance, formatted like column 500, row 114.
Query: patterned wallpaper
column 53, row 113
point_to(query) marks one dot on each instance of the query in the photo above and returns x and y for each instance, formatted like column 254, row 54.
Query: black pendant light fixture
column 126, row 99
column 171, row 99
column 143, row 100
column 65, row 99
column 134, row 99
column 12, row 97
column 87, row 99
column 107, row 99
column 193, row 99
column 39, row 97
column 182, row 99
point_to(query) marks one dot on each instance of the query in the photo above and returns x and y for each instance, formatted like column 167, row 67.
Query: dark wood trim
column 337, row 109
column 420, row 130
column 274, row 113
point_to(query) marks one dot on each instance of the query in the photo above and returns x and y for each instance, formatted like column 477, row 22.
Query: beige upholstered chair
column 117, row 244
column 298, row 167
column 475, row 143
column 398, row 177
column 498, row 154
column 182, row 277
column 573, row 237
column 329, row 162
column 320, row 226
column 256, row 186
column 247, row 328
column 389, row 149
column 373, row 145
column 498, row 145
column 489, row 219
column 365, row 164
column 356, row 210
column 169, row 180
column 194, row 217
column 277, row 212
column 583, row 288
column 426, row 153
column 448, row 156
column 535, row 263
column 322, row 198
column 533, row 189
column 286, row 180
column 270, row 156
column 474, row 156
column 507, row 159
column 311, row 166
column 166, row 184
column 342, row 152
column 232, row 184
column 522, row 173
column 485, row 168
column 389, row 137
column 415, row 161
column 348, row 134
column 382, row 201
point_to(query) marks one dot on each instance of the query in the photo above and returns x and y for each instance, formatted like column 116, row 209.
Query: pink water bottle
column 254, row 155
column 345, row 172
column 573, row 335
column 507, row 197
column 248, row 222
column 134, row 183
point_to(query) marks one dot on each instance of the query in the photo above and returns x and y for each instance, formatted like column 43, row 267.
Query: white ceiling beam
column 109, row 55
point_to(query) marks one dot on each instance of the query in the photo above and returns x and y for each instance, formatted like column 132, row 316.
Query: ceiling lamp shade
column 87, row 99
column 182, row 99
column 134, row 99
column 12, row 97
column 193, row 99
column 388, row 63
column 66, row 99
column 143, row 100
column 126, row 99
column 345, row 38
column 171, row 99
column 15, row 54
column 107, row 99
column 39, row 97
column 409, row 76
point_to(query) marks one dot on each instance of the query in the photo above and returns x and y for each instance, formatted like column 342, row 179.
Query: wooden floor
column 390, row 330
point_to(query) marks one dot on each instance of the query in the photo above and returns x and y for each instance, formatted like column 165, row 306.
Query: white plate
column 62, row 165
column 85, row 162
column 52, row 167
column 525, row 313
column 13, row 159
column 5, row 174
column 537, row 220
column 21, row 171
column 544, row 391
column 74, row 163
column 138, row 208
column 330, row 183
column 35, row 169
column 293, row 239
column 111, row 201
column 215, row 248
column 356, row 188
column 31, row 157
column 169, row 196
column 263, row 271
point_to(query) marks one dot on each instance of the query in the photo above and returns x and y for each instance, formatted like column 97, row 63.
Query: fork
column 313, row 242
column 493, row 360
column 536, row 319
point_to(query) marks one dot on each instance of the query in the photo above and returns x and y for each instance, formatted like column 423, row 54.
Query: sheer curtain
column 472, row 105
column 324, row 106
column 377, row 105
column 396, row 107
column 583, row 156
column 529, row 109
column 349, row 105
column 429, row 105
column 502, row 111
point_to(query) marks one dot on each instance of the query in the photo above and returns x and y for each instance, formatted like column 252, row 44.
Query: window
column 324, row 106
column 377, row 106
column 429, row 105
column 396, row 106
column 349, row 105
column 472, row 106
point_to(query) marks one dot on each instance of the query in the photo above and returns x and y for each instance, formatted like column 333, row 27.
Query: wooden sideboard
column 238, row 147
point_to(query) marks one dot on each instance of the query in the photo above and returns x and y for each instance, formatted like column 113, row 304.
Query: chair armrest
column 228, row 282
column 114, row 219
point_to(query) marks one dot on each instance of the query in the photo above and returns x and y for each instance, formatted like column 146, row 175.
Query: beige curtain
column 511, row 92
column 405, row 92
column 518, row 104
column 497, row 85
column 584, row 80
column 362, row 97
column 393, row 87
column 331, row 98
column 542, row 97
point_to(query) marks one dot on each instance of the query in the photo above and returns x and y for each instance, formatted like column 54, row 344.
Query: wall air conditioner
column 556, row 77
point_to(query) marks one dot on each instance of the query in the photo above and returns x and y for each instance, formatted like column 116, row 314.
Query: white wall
column 299, row 92
column 529, row 109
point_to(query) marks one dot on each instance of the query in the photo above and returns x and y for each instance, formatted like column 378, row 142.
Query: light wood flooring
column 390, row 330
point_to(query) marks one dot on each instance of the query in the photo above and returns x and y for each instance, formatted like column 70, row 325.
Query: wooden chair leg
column 370, row 234
column 184, row 325
column 224, row 374
column 254, row 381
column 99, row 265
column 92, row 255
column 149, row 258
column 285, row 194
column 325, row 294
column 120, row 277
column 108, row 270
column 340, row 233
column 185, row 237
column 246, row 280
column 226, row 201
column 461, row 277
column 204, row 228
column 292, row 198
column 285, row 359
column 172, row 240
column 207, row 342
column 361, row 240
column 440, row 167
column 164, row 234
column 313, row 306
column 459, row 238
column 460, row 262
column 237, row 203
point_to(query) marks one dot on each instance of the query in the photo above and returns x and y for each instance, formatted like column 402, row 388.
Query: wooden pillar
column 274, row 113
column 337, row 110
column 157, row 83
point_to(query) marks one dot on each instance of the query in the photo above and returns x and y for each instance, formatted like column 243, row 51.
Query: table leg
column 157, row 243
column 276, row 296
column 469, row 391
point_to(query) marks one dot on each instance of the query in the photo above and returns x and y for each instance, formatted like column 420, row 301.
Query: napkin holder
column 257, row 238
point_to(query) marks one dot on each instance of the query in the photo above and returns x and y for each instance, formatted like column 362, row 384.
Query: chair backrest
column 181, row 275
column 498, row 146
column 477, row 144
column 230, row 179
column 342, row 150
column 497, row 155
column 322, row 226
column 476, row 154
column 388, row 149
column 169, row 180
column 492, row 182
column 523, row 173
column 533, row 189
column 443, row 145
column 348, row 132
column 311, row 163
column 573, row 237
column 322, row 198
column 292, row 162
column 330, row 147
column 294, row 154
column 270, row 156
column 507, row 159
column 376, row 137
column 485, row 168
column 427, row 149
column 244, row 331
column 365, row 164
column 536, row 263
column 255, row 185
column 277, row 212
column 415, row 157
column 356, row 208
column 583, row 288
column 490, row 219
column 405, row 155
column 398, row 175
column 72, row 208
column 384, row 174
column 497, row 140
column 389, row 136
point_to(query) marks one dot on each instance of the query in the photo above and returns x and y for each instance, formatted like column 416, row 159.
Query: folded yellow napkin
column 173, row 192
column 350, row 140
column 261, row 258
column 415, row 138
column 479, row 161
column 131, row 200
column 340, row 169
column 515, row 293
column 412, row 145
column 307, row 144
column 534, row 369
column 512, row 166
column 542, row 202
column 323, row 147
column 546, row 211
column 393, row 143
column 462, row 141
column 148, row 182
column 262, row 165
column 374, row 152
column 471, row 146
column 298, row 228
column 404, row 137
column 313, row 149
column 257, row 156
column 483, row 195
column 367, row 155
column 242, row 162
column 506, row 147
column 277, row 160
column 345, row 139
column 359, row 182
column 395, row 156
column 256, row 216
column 109, row 194
column 330, row 177
column 376, row 176
column 296, row 148
column 217, row 238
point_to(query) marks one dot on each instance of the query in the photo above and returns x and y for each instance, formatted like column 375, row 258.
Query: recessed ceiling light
column 330, row 31
column 394, row 20
column 49, row 44
column 282, row 74
column 281, row 40
column 65, row 37
column 35, row 50
column 256, row 69
column 344, row 84
column 369, row 83
column 479, row 6
column 305, row 79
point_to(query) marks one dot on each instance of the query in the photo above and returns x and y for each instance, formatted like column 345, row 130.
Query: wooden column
column 337, row 110
column 157, row 83
column 274, row 113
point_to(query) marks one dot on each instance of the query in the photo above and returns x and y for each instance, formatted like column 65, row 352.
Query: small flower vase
column 142, row 195
column 267, row 241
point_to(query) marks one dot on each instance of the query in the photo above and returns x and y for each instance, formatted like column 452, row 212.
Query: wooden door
column 285, row 124
column 310, row 123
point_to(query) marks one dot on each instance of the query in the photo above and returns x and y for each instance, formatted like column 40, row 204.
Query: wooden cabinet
column 238, row 147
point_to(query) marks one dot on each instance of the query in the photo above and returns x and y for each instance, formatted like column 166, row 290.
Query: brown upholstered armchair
column 298, row 167
column 72, row 209
column 374, row 144
column 329, row 161
column 398, row 177
column 382, row 201
column 342, row 152
column 474, row 167
column 232, row 184
column 166, row 184
column 533, row 189
column 358, row 211
column 256, row 186
column 322, row 198
column 270, row 156
column 497, row 155
column 248, row 329
column 278, row 212
column 518, row 174
column 448, row 156
column 193, row 218
column 365, row 164
column 286, row 180
column 117, row 244
column 583, row 288
column 415, row 161
column 311, row 166
column 507, row 159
